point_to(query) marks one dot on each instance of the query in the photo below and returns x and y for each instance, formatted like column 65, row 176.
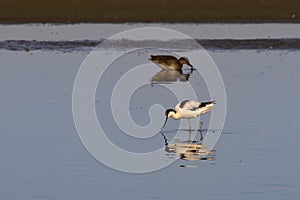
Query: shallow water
column 42, row 156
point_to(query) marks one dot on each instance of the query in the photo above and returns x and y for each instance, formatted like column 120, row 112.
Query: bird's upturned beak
column 165, row 123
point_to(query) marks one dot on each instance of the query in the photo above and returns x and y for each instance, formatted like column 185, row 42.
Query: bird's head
column 184, row 60
column 168, row 113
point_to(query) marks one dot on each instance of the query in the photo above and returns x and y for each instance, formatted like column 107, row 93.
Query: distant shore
column 87, row 45
column 166, row 11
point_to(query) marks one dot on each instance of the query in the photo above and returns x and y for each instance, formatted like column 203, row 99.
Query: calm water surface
column 42, row 156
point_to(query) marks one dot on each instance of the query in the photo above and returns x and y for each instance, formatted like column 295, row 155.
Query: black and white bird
column 189, row 109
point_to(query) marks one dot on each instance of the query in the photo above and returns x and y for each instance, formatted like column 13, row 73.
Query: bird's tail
column 153, row 58
column 204, row 107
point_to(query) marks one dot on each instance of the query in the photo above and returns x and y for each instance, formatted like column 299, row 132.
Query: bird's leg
column 190, row 135
column 201, row 124
column 190, row 127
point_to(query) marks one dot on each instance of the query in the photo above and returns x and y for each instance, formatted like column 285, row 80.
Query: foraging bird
column 189, row 109
column 170, row 62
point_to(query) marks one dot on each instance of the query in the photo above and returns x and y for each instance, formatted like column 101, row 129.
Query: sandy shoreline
column 108, row 11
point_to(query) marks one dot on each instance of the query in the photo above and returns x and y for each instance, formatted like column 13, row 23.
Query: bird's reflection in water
column 188, row 150
column 169, row 76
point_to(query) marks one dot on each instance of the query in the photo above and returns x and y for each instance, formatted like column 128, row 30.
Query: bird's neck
column 176, row 116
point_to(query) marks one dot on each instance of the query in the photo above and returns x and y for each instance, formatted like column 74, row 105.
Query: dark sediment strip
column 209, row 44
column 232, row 44
column 172, row 11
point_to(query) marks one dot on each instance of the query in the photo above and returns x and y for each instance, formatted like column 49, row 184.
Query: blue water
column 42, row 156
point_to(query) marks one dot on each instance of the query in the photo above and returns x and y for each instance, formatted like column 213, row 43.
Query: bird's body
column 170, row 62
column 189, row 109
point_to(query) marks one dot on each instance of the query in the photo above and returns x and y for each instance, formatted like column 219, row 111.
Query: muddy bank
column 95, row 11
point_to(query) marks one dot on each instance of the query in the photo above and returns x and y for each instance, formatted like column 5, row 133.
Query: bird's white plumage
column 191, row 108
column 188, row 105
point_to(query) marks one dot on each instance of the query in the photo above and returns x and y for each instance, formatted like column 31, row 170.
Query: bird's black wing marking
column 194, row 108
column 189, row 105
column 183, row 103
column 203, row 104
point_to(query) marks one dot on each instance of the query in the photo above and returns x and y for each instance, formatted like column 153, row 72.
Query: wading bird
column 170, row 62
column 189, row 109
